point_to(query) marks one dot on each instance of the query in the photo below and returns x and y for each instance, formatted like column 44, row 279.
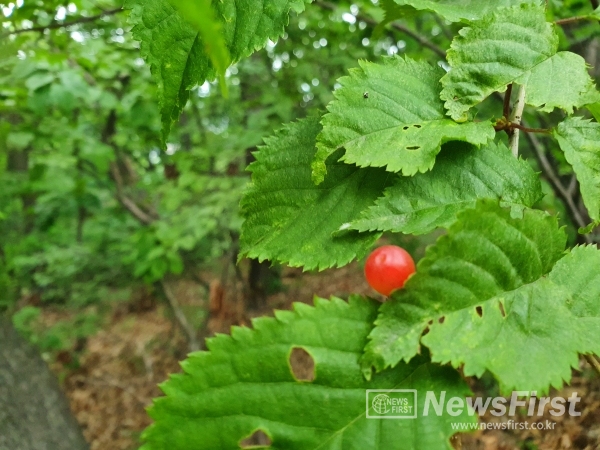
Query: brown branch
column 136, row 211
column 395, row 25
column 504, row 125
column 57, row 25
column 572, row 189
column 592, row 361
column 128, row 204
column 181, row 318
column 530, row 130
column 570, row 20
column 557, row 185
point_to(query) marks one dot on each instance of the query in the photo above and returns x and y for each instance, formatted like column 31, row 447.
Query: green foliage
column 66, row 274
column 462, row 174
column 62, row 336
column 180, row 56
column 514, row 45
column 244, row 383
column 580, row 140
column 392, row 12
column 453, row 11
column 95, row 195
column 202, row 17
column 390, row 115
column 485, row 254
column 290, row 220
column 558, row 316
column 560, row 82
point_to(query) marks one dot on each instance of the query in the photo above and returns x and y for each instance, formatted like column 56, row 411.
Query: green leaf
column 578, row 272
column 514, row 45
column 594, row 108
column 392, row 12
column 19, row 140
column 560, row 82
column 461, row 176
column 289, row 219
column 540, row 328
column 39, row 80
column 201, row 15
column 459, row 11
column 177, row 53
column 486, row 253
column 580, row 140
column 390, row 115
column 244, row 384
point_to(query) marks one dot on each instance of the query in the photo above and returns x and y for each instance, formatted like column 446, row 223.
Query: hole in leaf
column 405, row 128
column 302, row 365
column 417, row 126
column 479, row 311
column 426, row 330
column 441, row 319
column 414, row 147
column 502, row 311
column 258, row 439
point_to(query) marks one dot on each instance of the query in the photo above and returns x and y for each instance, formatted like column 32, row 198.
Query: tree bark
column 34, row 413
column 261, row 278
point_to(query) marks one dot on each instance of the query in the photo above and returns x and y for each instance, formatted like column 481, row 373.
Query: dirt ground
column 120, row 366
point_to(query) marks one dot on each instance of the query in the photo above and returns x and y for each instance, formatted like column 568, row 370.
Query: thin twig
column 509, row 127
column 395, row 25
column 449, row 35
column 420, row 39
column 572, row 188
column 507, row 95
column 530, row 130
column 181, row 319
column 57, row 25
column 569, row 20
column 593, row 362
column 515, row 119
column 128, row 204
column 110, row 129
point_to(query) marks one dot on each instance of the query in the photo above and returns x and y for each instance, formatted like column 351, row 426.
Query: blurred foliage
column 80, row 139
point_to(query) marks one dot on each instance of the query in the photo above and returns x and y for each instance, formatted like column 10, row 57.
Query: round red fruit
column 387, row 268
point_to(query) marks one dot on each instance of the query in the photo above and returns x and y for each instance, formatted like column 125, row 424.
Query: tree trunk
column 261, row 281
column 34, row 413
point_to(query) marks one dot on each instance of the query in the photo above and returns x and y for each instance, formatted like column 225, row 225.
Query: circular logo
column 380, row 403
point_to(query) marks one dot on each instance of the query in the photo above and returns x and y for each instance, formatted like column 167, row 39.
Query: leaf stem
column 569, row 20
column 515, row 120
column 529, row 130
column 593, row 362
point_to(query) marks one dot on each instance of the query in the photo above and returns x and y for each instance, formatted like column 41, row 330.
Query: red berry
column 388, row 268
